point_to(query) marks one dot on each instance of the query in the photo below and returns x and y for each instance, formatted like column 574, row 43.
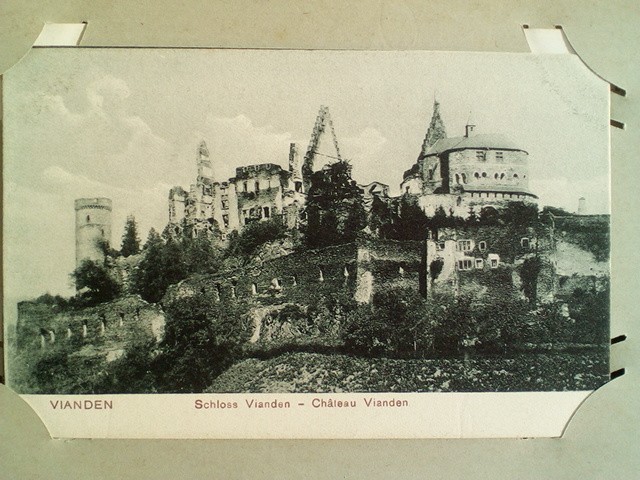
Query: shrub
column 254, row 235
column 202, row 338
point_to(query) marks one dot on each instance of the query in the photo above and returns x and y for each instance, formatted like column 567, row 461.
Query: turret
column 470, row 126
column 93, row 228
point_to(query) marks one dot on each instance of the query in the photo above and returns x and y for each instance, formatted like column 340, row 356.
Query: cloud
column 232, row 142
column 98, row 137
column 367, row 150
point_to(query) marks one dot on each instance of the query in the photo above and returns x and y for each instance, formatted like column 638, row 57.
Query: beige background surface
column 602, row 439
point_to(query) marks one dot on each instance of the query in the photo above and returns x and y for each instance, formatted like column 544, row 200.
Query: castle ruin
column 93, row 228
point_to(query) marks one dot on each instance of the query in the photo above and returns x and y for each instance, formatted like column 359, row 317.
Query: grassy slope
column 311, row 372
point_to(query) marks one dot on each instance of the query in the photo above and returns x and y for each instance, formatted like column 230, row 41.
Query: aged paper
column 365, row 244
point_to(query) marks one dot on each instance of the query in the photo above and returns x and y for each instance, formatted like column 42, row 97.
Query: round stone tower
column 93, row 228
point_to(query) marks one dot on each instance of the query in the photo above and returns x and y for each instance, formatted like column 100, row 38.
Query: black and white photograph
column 275, row 221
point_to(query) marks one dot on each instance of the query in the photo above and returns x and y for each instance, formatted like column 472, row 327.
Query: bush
column 254, row 235
column 98, row 280
column 398, row 323
column 203, row 337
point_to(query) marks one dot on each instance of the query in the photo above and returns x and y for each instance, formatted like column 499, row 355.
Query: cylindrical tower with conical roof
column 93, row 228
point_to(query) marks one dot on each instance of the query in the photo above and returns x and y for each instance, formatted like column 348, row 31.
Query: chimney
column 582, row 206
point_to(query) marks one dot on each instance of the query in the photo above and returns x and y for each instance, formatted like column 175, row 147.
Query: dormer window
column 480, row 155
column 479, row 263
column 482, row 246
column 524, row 243
column 499, row 155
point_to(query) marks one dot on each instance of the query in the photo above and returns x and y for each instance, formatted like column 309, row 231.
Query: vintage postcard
column 305, row 244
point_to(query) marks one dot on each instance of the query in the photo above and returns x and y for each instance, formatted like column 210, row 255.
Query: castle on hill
column 455, row 173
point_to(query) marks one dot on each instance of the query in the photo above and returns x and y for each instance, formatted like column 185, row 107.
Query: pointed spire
column 436, row 130
column 203, row 151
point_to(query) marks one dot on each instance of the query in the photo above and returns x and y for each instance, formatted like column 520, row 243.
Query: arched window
column 457, row 178
column 501, row 176
column 88, row 218
column 257, row 186
column 464, row 178
column 515, row 175
column 496, row 176
column 484, row 174
column 477, row 175
column 458, row 201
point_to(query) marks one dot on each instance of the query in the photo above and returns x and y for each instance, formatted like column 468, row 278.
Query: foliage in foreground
column 203, row 337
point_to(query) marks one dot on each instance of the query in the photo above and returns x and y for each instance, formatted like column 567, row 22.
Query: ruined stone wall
column 468, row 257
column 386, row 264
column 112, row 325
column 293, row 278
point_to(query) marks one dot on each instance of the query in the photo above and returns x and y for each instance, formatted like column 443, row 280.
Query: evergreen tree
column 148, row 276
column 130, row 239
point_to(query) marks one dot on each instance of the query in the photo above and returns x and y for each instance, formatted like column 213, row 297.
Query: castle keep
column 93, row 228
column 470, row 171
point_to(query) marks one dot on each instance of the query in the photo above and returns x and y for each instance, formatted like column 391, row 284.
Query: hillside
column 318, row 373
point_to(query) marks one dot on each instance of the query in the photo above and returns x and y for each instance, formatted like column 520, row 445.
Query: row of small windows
column 497, row 176
column 467, row 245
column 277, row 283
column 477, row 263
column 482, row 155
column 461, row 178
column 257, row 213
column 257, row 185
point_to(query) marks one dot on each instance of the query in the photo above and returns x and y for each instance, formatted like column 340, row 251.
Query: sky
column 126, row 124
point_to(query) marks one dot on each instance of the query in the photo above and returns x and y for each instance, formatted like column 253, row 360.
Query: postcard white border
column 426, row 415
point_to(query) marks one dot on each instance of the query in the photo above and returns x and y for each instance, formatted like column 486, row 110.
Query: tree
column 98, row 281
column 335, row 207
column 255, row 234
column 399, row 323
column 130, row 239
column 203, row 337
column 150, row 278
column 529, row 273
